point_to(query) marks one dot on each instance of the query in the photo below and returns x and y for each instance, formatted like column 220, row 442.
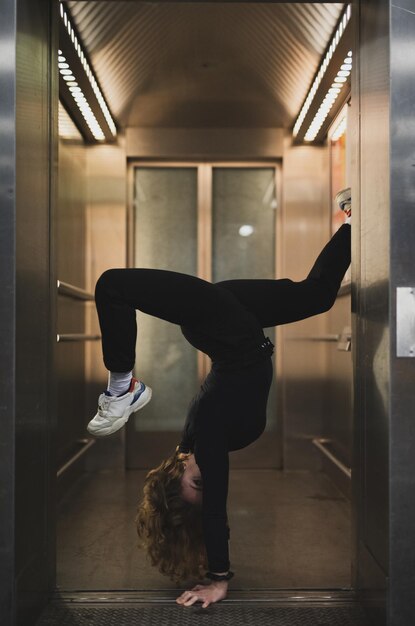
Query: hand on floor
column 204, row 593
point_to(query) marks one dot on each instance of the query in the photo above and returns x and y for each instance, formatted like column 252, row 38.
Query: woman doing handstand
column 182, row 519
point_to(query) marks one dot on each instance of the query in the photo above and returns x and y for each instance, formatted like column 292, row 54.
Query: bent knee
column 327, row 300
column 322, row 295
column 106, row 281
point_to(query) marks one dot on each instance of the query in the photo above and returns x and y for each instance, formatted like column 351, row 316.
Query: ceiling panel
column 205, row 64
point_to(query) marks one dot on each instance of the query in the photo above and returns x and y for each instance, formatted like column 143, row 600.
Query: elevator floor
column 289, row 530
column 220, row 614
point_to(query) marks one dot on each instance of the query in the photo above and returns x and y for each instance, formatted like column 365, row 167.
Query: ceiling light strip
column 79, row 97
column 88, row 71
column 330, row 98
column 323, row 67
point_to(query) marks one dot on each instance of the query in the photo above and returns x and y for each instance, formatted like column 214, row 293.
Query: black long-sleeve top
column 227, row 414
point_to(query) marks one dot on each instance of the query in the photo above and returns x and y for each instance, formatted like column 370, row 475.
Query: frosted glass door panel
column 243, row 242
column 165, row 238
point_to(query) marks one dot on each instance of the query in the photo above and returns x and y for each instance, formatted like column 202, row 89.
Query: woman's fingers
column 191, row 601
column 185, row 595
column 204, row 595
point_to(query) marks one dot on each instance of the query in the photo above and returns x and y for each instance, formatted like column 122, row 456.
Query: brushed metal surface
column 372, row 374
column 205, row 143
column 338, row 408
column 84, row 446
column 34, row 134
column 370, row 300
column 402, row 375
column 72, row 291
column 7, row 309
column 305, row 230
column 324, row 446
column 71, row 241
column 76, row 337
column 405, row 321
column 233, row 64
column 106, row 222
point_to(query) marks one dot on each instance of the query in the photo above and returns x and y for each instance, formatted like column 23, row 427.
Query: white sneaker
column 344, row 200
column 114, row 411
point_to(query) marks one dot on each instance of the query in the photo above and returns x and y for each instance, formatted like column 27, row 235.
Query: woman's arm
column 212, row 457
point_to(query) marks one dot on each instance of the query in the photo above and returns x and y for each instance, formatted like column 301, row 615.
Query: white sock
column 348, row 220
column 119, row 382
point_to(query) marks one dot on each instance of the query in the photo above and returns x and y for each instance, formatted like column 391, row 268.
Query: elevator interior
column 74, row 233
column 203, row 178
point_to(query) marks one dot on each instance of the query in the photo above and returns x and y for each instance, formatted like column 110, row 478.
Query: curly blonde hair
column 170, row 528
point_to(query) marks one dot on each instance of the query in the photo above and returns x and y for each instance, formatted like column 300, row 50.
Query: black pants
column 220, row 319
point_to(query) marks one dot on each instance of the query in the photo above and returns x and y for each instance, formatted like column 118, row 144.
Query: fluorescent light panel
column 72, row 83
column 322, row 70
column 329, row 99
column 81, row 101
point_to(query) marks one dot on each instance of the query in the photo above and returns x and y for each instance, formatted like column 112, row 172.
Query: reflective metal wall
column 338, row 397
column 371, row 269
column 35, row 135
column 90, row 237
column 383, row 189
column 402, row 229
column 384, row 261
column 106, row 247
column 70, row 239
column 7, row 308
column 306, row 219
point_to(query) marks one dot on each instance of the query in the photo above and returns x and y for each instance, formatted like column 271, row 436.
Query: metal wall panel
column 205, row 143
column 338, row 411
column 337, row 433
column 402, row 398
column 106, row 247
column 70, row 239
column 7, row 308
column 305, row 231
column 35, row 132
column 371, row 301
column 384, row 261
column 233, row 64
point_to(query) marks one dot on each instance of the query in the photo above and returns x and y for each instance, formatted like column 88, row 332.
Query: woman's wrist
column 219, row 576
column 220, row 584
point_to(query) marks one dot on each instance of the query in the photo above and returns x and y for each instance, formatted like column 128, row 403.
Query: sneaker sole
column 121, row 421
column 343, row 197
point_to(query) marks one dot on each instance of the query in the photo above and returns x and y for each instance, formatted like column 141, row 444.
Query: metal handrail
column 77, row 337
column 329, row 338
column 343, row 339
column 321, row 443
column 66, row 289
column 86, row 444
column 345, row 289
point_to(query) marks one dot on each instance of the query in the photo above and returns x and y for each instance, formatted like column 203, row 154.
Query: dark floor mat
column 215, row 615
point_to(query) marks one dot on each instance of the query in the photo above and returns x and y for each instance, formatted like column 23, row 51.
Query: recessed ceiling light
column 70, row 78
column 323, row 67
column 325, row 108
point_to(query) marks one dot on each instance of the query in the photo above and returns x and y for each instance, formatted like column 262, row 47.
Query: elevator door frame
column 265, row 450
